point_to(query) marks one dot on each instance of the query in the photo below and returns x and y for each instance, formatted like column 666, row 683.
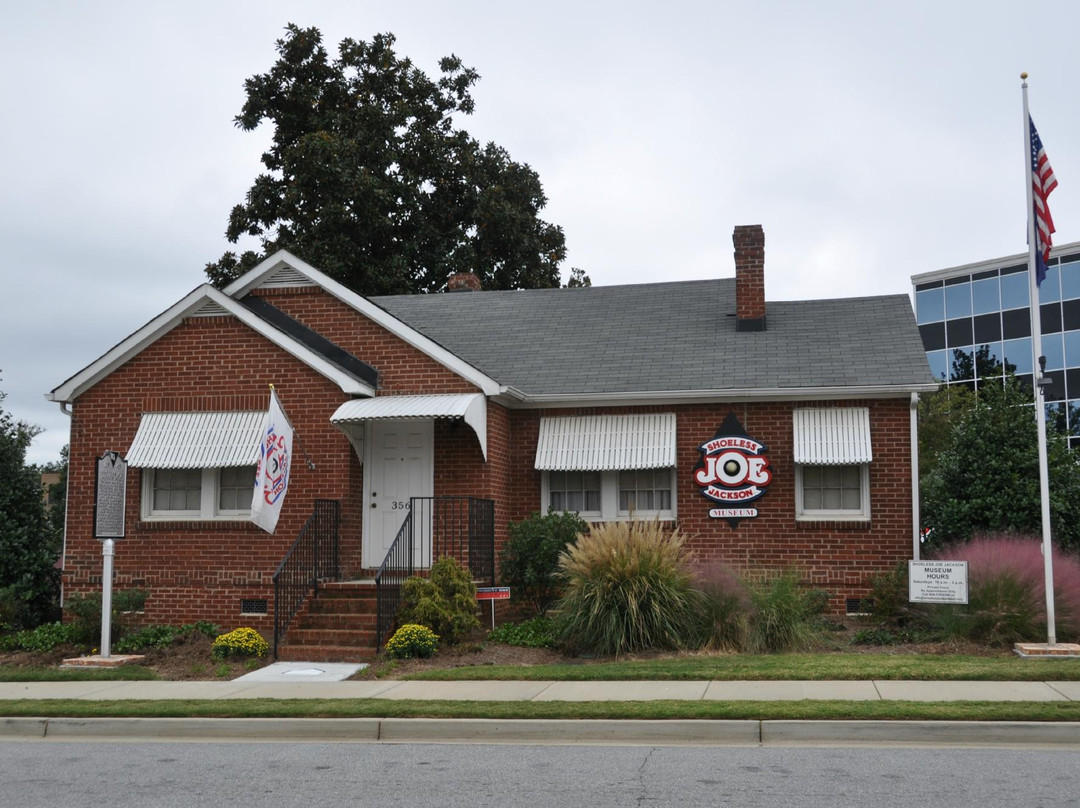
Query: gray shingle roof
column 677, row 336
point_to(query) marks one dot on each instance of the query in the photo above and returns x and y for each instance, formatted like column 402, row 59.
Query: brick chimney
column 463, row 282
column 749, row 277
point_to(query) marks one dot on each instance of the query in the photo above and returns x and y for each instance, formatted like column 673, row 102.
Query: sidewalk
column 551, row 691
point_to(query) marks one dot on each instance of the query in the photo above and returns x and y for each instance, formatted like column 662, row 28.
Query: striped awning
column 196, row 440
column 606, row 442
column 832, row 436
column 470, row 407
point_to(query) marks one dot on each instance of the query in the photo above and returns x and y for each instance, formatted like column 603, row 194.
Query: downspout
column 915, row 520
column 67, row 507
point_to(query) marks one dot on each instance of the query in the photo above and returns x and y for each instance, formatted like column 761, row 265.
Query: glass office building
column 975, row 323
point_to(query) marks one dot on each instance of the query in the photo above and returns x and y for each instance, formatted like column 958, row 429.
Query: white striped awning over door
column 832, row 436
column 196, row 440
column 606, row 442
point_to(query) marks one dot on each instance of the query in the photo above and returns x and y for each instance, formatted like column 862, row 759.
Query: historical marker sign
column 937, row 581
column 110, row 496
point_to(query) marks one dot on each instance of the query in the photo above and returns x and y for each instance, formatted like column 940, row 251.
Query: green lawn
column 773, row 667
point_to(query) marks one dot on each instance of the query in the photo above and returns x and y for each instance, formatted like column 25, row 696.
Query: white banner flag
column 272, row 473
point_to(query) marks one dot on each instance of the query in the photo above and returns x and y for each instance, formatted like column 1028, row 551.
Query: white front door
column 398, row 464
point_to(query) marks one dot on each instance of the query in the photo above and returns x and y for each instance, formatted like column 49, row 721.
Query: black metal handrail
column 313, row 557
column 435, row 527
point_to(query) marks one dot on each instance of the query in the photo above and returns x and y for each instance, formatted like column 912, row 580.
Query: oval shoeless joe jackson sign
column 733, row 471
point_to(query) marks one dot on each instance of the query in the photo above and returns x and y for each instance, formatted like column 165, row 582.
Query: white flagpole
column 1040, row 380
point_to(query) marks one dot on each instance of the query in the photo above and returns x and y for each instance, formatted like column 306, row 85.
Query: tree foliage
column 986, row 478
column 369, row 179
column 29, row 582
column 529, row 561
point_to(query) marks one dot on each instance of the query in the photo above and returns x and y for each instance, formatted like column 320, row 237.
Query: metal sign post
column 493, row 593
column 110, row 504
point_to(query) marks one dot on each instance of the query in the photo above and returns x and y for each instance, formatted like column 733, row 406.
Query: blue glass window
column 988, row 360
column 1070, row 280
column 1014, row 290
column 1072, row 349
column 1050, row 288
column 930, row 305
column 958, row 300
column 961, row 364
column 1074, row 418
column 939, row 364
column 1053, row 351
column 1018, row 355
column 984, row 296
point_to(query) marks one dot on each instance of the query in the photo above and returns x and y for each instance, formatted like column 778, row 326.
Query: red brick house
column 776, row 434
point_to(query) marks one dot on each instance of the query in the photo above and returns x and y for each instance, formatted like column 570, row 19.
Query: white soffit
column 470, row 407
column 196, row 440
column 832, row 436
column 606, row 442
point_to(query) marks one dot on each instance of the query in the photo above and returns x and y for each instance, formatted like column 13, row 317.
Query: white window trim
column 208, row 500
column 609, row 501
column 840, row 515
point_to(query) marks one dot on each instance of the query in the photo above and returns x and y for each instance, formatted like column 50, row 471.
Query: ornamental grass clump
column 628, row 587
column 784, row 615
column 241, row 642
column 1007, row 593
column 412, row 641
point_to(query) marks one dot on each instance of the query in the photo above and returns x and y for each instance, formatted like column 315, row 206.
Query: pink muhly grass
column 993, row 556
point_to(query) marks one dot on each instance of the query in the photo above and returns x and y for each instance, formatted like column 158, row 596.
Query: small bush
column 538, row 632
column 241, row 642
column 628, row 588
column 445, row 601
column 85, row 613
column 1007, row 593
column 784, row 616
column 529, row 562
column 43, row 638
column 163, row 636
column 726, row 608
column 888, row 600
column 412, row 641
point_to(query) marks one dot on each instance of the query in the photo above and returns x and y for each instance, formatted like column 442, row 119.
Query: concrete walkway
column 244, row 688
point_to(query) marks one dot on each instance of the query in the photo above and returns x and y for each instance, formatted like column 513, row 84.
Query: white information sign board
column 938, row 581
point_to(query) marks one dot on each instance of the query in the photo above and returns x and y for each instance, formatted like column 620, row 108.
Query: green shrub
column 43, row 638
column 412, row 641
column 85, row 613
column 784, row 615
column 537, row 632
column 445, row 601
column 529, row 562
column 163, row 636
column 887, row 604
column 628, row 588
column 241, row 642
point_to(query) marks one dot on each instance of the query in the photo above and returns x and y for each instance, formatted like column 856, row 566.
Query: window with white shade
column 832, row 463
column 609, row 467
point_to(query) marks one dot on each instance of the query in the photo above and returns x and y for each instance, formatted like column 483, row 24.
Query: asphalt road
column 163, row 775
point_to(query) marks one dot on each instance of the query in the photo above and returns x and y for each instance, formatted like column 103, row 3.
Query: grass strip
column 125, row 673
column 651, row 710
column 779, row 667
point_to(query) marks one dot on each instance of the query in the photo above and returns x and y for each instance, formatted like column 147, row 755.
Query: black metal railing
column 312, row 558
column 435, row 527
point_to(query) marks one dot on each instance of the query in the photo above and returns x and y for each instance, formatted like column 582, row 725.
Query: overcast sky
column 872, row 141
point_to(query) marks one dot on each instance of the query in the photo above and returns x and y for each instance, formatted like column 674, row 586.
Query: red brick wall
column 839, row 557
column 201, row 570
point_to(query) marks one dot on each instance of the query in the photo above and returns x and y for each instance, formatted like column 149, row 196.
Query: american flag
column 1043, row 182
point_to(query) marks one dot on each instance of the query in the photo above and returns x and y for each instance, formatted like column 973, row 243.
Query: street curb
column 564, row 731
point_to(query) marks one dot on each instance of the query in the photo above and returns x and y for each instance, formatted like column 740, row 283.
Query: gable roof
column 673, row 340
column 204, row 300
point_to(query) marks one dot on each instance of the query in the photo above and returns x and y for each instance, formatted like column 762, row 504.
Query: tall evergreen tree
column 29, row 581
column 369, row 179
